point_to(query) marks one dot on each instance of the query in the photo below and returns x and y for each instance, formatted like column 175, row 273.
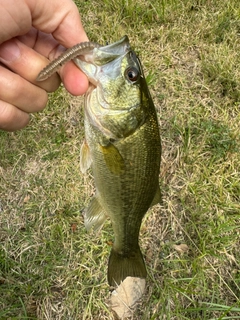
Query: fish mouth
column 92, row 62
column 105, row 63
column 110, row 52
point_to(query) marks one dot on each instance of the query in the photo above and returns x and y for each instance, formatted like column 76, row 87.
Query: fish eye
column 132, row 74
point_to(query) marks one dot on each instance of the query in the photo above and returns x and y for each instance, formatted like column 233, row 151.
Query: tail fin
column 120, row 267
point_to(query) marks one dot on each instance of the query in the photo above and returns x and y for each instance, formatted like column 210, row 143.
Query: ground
column 50, row 267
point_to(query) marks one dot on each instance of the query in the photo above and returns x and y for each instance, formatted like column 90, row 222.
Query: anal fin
column 94, row 215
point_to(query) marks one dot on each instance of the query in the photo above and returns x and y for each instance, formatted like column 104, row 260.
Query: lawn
column 50, row 267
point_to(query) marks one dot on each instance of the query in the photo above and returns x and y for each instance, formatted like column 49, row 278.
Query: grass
column 50, row 267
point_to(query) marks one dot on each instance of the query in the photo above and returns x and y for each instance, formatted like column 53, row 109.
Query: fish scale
column 126, row 196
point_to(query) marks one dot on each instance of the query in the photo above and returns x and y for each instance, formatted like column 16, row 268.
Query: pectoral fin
column 113, row 158
column 85, row 157
column 94, row 216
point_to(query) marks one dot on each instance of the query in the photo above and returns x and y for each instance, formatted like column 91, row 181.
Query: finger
column 27, row 63
column 12, row 118
column 66, row 18
column 21, row 93
column 73, row 79
column 15, row 19
column 42, row 42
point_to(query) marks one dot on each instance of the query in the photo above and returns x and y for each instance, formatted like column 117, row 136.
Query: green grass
column 50, row 267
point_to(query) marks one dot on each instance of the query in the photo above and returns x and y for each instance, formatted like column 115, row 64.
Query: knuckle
column 17, row 91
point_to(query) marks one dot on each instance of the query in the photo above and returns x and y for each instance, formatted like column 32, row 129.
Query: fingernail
column 9, row 51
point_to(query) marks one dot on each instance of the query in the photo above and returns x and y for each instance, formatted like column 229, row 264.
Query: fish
column 122, row 146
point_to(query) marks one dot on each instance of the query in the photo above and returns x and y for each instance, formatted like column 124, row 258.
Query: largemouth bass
column 122, row 146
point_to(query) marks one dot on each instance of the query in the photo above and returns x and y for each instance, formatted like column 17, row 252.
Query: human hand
column 31, row 32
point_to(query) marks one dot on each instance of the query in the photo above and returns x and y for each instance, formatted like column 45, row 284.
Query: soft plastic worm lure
column 69, row 54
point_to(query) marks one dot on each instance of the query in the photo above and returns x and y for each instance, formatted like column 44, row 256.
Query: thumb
column 65, row 24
